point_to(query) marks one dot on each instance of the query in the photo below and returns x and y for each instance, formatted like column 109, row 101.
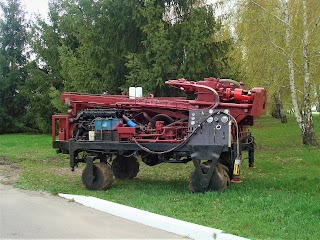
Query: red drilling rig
column 207, row 127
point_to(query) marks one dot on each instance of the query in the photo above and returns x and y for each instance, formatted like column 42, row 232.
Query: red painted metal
column 244, row 106
column 64, row 127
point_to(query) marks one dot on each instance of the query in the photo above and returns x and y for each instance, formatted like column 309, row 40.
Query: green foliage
column 274, row 39
column 56, row 102
column 179, row 40
column 40, row 107
column 259, row 39
column 102, row 34
column 93, row 46
column 12, row 66
column 148, row 66
column 44, row 73
column 259, row 50
column 107, row 45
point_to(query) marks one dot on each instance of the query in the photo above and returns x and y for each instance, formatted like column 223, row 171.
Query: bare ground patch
column 64, row 171
column 9, row 172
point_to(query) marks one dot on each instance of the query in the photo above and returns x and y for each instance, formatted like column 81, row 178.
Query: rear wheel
column 150, row 159
column 125, row 167
column 219, row 181
column 195, row 183
column 103, row 177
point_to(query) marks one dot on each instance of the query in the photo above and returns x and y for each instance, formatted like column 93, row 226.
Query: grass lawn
column 280, row 199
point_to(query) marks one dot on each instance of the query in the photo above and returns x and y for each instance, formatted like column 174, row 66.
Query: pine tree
column 179, row 40
column 13, row 73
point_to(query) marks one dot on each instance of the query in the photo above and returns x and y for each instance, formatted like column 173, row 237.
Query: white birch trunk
column 308, row 135
column 291, row 68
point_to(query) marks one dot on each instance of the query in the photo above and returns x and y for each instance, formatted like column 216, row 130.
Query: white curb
column 182, row 228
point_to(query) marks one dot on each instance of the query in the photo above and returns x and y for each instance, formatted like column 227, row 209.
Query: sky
column 32, row 7
column 41, row 7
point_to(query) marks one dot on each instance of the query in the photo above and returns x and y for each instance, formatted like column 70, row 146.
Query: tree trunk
column 283, row 115
column 275, row 111
column 278, row 110
column 318, row 99
column 308, row 135
column 291, row 68
column 306, row 127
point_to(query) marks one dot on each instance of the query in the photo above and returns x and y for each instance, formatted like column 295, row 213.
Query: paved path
column 34, row 215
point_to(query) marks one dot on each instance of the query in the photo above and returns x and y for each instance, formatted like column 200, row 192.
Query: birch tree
column 258, row 50
column 281, row 45
column 305, row 122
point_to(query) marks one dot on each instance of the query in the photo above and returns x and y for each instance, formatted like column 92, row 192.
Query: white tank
column 138, row 91
column 135, row 92
column 91, row 135
column 132, row 92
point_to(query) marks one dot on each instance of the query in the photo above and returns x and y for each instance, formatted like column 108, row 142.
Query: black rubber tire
column 150, row 159
column 135, row 168
column 228, row 163
column 195, row 183
column 103, row 177
column 125, row 167
column 226, row 174
column 220, row 179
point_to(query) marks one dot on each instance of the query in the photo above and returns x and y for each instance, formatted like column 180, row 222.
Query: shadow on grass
column 176, row 185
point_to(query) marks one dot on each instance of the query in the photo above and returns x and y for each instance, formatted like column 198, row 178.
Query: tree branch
column 257, row 4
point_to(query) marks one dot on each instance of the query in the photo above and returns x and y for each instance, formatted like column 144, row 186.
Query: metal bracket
column 89, row 161
column 211, row 153
column 251, row 151
column 72, row 154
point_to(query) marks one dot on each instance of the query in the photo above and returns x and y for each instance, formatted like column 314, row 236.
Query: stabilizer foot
column 236, row 179
column 251, row 165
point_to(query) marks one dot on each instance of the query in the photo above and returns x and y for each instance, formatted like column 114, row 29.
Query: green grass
column 280, row 199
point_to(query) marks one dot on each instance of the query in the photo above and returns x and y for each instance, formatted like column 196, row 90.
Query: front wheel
column 219, row 180
column 102, row 177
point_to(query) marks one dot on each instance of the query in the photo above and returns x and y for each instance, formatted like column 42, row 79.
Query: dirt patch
column 64, row 171
column 9, row 172
column 57, row 159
